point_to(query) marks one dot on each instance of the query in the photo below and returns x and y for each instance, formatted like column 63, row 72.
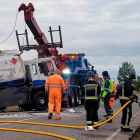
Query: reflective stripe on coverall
column 55, row 85
column 112, row 98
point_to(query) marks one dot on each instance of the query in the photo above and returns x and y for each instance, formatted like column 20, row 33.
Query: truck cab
column 38, row 70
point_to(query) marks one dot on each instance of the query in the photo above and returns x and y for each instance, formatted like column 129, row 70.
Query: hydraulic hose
column 67, row 126
column 36, row 132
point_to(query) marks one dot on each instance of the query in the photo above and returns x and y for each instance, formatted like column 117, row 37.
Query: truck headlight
column 66, row 71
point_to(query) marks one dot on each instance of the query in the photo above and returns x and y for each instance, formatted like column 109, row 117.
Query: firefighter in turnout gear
column 91, row 90
column 126, row 94
column 107, row 92
column 55, row 85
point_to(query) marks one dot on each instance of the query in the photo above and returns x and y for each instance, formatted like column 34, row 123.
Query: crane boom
column 39, row 36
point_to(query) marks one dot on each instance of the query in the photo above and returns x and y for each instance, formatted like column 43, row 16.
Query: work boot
column 126, row 129
column 50, row 116
column 57, row 118
column 96, row 127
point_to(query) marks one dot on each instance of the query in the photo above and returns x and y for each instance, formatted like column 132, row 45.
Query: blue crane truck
column 74, row 76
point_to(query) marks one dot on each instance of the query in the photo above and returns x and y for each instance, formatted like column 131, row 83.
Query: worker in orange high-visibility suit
column 54, row 86
column 113, row 97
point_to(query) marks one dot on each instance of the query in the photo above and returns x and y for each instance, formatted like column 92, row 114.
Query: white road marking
column 115, row 133
column 23, row 120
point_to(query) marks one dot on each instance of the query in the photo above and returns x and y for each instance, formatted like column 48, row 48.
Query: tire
column 40, row 101
column 25, row 107
column 72, row 99
column 77, row 98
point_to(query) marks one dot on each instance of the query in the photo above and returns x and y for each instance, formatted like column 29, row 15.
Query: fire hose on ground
column 56, row 125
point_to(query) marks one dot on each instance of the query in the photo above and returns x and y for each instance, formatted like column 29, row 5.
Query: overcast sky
column 107, row 31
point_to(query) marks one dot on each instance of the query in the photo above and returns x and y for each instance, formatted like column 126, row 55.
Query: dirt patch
column 11, row 108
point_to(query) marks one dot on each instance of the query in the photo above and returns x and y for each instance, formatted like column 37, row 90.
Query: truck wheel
column 25, row 107
column 72, row 99
column 77, row 99
column 40, row 101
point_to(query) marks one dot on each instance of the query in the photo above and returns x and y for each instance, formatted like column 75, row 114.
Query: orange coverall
column 55, row 85
column 112, row 98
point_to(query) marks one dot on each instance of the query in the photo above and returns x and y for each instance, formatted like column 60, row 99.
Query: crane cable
column 50, row 134
column 12, row 30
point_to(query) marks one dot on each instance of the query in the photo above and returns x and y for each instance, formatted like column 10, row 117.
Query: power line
column 12, row 30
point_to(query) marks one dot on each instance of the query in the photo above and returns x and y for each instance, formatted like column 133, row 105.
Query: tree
column 124, row 69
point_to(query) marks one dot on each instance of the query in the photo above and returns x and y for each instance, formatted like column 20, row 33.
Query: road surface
column 108, row 131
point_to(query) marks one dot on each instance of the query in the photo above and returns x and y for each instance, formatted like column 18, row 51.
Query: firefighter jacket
column 55, row 83
column 125, row 90
column 91, row 89
column 107, row 87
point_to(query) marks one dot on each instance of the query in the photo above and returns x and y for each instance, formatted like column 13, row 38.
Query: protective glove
column 113, row 94
column 132, row 100
column 135, row 96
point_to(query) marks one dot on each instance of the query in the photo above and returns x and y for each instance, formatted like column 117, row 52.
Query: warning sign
column 14, row 61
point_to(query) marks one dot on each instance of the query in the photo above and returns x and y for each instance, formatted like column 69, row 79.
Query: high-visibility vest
column 90, row 91
column 110, row 89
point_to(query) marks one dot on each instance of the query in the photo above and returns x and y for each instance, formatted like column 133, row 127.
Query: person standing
column 91, row 90
column 107, row 91
column 112, row 98
column 54, row 86
column 126, row 94
column 96, row 79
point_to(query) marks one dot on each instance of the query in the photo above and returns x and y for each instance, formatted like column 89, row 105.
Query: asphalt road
column 108, row 131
